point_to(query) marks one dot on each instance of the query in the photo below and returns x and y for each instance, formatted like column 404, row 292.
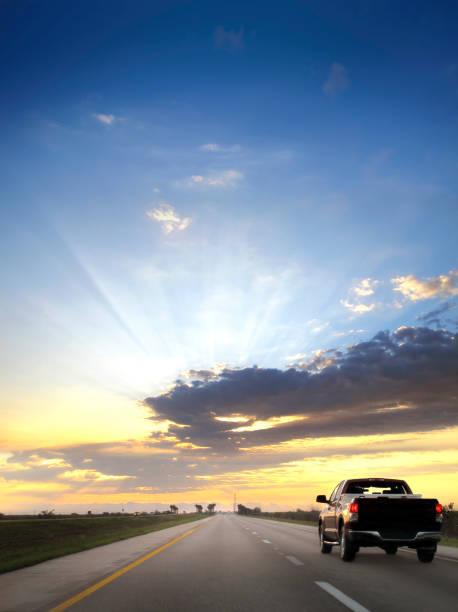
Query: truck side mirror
column 321, row 499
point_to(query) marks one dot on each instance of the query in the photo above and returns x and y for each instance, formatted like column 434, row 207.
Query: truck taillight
column 438, row 508
column 354, row 508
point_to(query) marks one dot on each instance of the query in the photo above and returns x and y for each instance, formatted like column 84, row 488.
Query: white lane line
column 267, row 542
column 347, row 601
column 294, row 560
column 254, row 533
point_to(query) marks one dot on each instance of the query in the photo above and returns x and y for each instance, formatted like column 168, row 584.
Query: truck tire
column 391, row 550
column 347, row 549
column 426, row 555
column 325, row 548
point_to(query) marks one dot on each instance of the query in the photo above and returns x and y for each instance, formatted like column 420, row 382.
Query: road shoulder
column 38, row 587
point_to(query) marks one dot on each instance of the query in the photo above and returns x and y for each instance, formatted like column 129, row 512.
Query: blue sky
column 186, row 185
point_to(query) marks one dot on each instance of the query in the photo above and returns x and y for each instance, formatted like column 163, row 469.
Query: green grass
column 27, row 542
column 449, row 542
column 282, row 520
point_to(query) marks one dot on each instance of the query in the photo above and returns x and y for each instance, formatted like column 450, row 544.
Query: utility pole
column 235, row 501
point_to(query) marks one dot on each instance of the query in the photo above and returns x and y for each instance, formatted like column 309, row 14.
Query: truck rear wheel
column 325, row 548
column 426, row 555
column 347, row 549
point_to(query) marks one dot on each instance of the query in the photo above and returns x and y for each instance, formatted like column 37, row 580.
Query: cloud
column 349, row 332
column 358, row 308
column 363, row 289
column 414, row 289
column 316, row 325
column 167, row 217
column 105, row 119
column 216, row 148
column 90, row 475
column 48, row 462
column 179, row 475
column 225, row 178
column 337, row 81
column 204, row 375
column 350, row 394
column 321, row 359
column 296, row 357
column 267, row 424
column 228, row 40
column 434, row 317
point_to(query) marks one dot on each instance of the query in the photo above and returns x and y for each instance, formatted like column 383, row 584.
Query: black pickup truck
column 379, row 512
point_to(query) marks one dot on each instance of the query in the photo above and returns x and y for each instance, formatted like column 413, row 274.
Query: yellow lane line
column 127, row 568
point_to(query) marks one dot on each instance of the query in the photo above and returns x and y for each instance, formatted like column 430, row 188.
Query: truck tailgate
column 397, row 518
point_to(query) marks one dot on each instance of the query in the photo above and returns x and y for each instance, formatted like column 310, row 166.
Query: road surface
column 234, row 563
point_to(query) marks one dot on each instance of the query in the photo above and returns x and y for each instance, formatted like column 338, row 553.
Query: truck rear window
column 377, row 487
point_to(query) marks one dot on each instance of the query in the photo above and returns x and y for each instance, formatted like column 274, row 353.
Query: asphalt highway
column 233, row 563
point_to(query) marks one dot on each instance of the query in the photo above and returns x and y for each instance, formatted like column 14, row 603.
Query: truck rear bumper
column 423, row 539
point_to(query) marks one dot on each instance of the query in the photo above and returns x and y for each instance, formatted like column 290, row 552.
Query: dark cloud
column 400, row 382
column 434, row 317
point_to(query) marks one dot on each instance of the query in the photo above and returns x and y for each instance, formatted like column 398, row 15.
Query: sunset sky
column 229, row 251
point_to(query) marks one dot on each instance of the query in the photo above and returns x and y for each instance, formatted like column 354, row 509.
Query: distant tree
column 199, row 508
column 257, row 510
column 173, row 509
column 211, row 508
column 450, row 521
column 46, row 513
column 241, row 509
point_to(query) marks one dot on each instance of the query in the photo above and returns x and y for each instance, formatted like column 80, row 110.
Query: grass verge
column 28, row 542
column 449, row 542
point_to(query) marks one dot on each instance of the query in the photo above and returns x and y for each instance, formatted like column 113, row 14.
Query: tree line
column 210, row 508
column 199, row 509
column 295, row 515
column 50, row 514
